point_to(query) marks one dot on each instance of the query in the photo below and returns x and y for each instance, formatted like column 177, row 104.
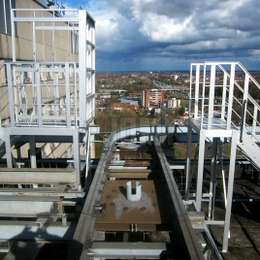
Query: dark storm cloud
column 152, row 34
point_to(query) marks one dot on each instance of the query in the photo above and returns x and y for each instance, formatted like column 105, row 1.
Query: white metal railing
column 42, row 93
column 51, row 90
column 221, row 95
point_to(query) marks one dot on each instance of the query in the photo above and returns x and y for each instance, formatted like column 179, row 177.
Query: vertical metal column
column 189, row 158
column 211, row 95
column 33, row 156
column 39, row 93
column 254, row 119
column 230, row 95
column 190, row 92
column 8, row 149
column 67, row 87
column 244, row 107
column 76, row 157
column 232, row 165
column 94, row 70
column 200, row 170
column 224, row 96
column 13, row 36
column 82, row 67
column 197, row 84
column 212, row 187
column 10, row 94
column 33, row 152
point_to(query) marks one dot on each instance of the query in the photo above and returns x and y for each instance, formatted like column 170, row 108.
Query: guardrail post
column 67, row 91
column 190, row 94
column 200, row 170
column 197, row 84
column 76, row 157
column 231, row 174
column 230, row 95
column 224, row 95
column 211, row 94
column 244, row 107
column 10, row 94
column 254, row 120
column 39, row 94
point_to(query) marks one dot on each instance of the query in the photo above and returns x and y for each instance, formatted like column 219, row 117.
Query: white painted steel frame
column 206, row 111
column 83, row 24
column 206, row 123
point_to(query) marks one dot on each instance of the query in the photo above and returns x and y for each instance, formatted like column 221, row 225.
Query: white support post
column 94, row 71
column 188, row 162
column 211, row 95
column 34, row 40
column 13, row 36
column 92, row 148
column 200, row 170
column 245, row 96
column 76, row 157
column 82, row 67
column 33, row 160
column 232, row 165
column 39, row 94
column 230, row 95
column 88, row 153
column 212, row 187
column 197, row 85
column 75, row 85
column 56, row 94
column 8, row 149
column 67, row 87
column 254, row 120
column 203, row 95
column 10, row 94
column 224, row 96
column 33, row 153
column 190, row 94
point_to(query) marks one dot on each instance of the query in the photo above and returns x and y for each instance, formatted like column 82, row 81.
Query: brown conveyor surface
column 118, row 210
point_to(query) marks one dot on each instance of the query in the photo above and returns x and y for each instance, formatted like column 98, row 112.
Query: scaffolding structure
column 51, row 106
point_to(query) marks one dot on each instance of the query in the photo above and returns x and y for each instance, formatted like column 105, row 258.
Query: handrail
column 250, row 76
column 241, row 89
column 249, row 97
column 204, row 69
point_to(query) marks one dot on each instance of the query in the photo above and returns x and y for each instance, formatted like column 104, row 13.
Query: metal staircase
column 250, row 148
column 223, row 109
column 226, row 96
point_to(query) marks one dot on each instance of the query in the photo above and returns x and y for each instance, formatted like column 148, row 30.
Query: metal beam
column 187, row 234
column 200, row 170
column 231, row 175
column 139, row 250
column 33, row 231
column 37, row 176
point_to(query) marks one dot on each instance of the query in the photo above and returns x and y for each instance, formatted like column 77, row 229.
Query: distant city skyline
column 150, row 35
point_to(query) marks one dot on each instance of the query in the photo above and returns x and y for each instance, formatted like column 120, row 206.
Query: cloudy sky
column 169, row 34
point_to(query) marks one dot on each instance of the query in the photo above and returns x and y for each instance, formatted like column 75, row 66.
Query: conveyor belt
column 83, row 236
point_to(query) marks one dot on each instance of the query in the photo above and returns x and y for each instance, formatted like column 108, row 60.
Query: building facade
column 153, row 98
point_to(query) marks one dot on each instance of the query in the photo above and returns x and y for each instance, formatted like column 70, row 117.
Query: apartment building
column 153, row 98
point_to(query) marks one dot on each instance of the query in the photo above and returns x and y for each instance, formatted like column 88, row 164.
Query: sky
column 148, row 35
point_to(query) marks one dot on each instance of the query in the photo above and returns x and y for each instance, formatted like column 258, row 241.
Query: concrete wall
column 48, row 50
